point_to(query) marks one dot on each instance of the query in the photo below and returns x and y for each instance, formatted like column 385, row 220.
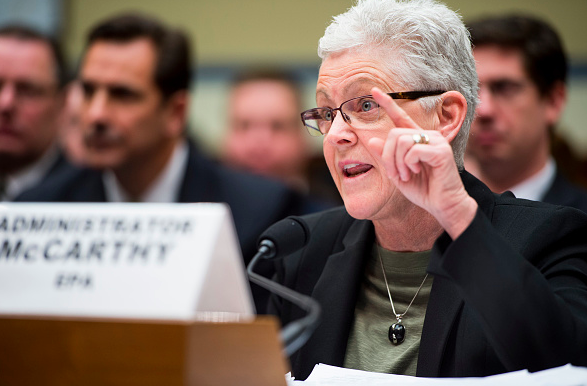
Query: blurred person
column 425, row 271
column 522, row 70
column 32, row 77
column 135, row 74
column 265, row 135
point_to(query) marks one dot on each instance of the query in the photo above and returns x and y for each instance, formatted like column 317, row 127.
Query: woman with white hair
column 424, row 271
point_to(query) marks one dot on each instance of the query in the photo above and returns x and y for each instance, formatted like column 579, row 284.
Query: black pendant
column 397, row 333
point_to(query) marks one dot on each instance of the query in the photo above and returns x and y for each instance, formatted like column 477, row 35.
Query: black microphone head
column 287, row 235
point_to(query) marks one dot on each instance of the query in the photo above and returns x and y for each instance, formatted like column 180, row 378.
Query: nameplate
column 154, row 261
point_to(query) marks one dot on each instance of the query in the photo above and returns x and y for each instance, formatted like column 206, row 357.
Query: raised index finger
column 398, row 116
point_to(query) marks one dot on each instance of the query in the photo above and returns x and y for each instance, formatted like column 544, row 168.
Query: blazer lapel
column 89, row 187
column 444, row 305
column 336, row 291
column 562, row 192
column 198, row 185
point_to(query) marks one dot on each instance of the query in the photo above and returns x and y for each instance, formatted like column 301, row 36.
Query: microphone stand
column 295, row 334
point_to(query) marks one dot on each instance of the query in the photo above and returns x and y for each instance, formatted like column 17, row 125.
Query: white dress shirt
column 535, row 187
column 166, row 186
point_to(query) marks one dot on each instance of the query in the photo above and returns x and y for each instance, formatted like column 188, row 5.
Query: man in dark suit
column 522, row 71
column 135, row 75
column 32, row 79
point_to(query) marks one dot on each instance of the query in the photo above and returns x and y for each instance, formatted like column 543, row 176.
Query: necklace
column 397, row 331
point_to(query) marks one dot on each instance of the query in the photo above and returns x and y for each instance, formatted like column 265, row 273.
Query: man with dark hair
column 522, row 72
column 32, row 79
column 135, row 75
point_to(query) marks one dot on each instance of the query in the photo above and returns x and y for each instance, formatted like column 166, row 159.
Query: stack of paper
column 325, row 375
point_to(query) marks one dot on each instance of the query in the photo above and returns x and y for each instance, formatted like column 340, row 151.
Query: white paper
column 326, row 375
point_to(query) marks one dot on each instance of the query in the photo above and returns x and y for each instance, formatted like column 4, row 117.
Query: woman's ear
column 451, row 114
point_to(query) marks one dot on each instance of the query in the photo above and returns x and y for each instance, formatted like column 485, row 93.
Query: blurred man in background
column 522, row 71
column 32, row 77
column 265, row 135
column 135, row 77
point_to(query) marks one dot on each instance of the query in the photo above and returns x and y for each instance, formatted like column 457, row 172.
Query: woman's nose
column 341, row 133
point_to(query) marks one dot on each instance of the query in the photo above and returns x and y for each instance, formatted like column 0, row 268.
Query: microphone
column 281, row 239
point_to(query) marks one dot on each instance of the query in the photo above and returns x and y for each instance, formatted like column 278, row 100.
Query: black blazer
column 510, row 293
column 563, row 192
column 59, row 170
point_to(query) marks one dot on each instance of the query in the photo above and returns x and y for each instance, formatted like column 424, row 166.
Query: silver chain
column 398, row 316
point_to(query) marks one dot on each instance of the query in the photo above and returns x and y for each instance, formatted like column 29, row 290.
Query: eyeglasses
column 29, row 91
column 504, row 90
column 359, row 112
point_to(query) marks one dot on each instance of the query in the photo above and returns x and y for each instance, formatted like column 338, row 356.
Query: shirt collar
column 166, row 186
column 535, row 187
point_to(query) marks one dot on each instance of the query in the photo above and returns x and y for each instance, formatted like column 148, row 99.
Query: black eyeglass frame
column 394, row 95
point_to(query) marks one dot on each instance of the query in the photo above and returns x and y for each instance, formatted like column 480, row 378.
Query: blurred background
column 229, row 35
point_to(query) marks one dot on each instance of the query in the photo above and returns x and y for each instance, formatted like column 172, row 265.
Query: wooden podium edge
column 236, row 354
column 73, row 351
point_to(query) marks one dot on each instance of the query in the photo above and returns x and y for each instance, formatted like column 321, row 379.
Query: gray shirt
column 369, row 347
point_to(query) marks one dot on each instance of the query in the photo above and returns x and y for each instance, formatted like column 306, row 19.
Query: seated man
column 522, row 70
column 135, row 75
column 32, row 78
column 265, row 135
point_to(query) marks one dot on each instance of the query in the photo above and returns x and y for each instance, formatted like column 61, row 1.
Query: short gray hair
column 424, row 45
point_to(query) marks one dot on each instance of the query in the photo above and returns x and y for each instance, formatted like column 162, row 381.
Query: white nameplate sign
column 156, row 261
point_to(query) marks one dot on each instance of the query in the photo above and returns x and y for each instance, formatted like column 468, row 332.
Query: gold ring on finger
column 420, row 139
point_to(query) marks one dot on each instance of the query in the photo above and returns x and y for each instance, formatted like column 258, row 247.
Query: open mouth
column 354, row 170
